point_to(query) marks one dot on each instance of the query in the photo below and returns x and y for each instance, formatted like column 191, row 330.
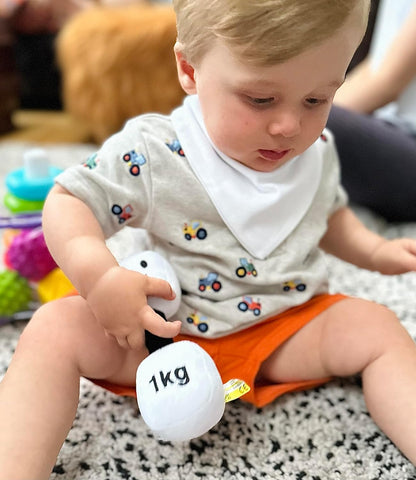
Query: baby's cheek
column 230, row 134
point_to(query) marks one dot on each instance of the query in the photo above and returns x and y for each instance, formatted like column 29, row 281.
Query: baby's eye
column 261, row 101
column 315, row 101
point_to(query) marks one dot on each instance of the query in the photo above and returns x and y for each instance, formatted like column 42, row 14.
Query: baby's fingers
column 156, row 287
column 411, row 245
column 157, row 325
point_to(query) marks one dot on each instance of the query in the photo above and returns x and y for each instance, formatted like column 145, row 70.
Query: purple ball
column 29, row 255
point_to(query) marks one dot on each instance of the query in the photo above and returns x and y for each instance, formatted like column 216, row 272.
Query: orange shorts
column 241, row 354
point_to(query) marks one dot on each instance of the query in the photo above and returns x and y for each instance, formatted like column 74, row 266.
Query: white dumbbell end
column 180, row 392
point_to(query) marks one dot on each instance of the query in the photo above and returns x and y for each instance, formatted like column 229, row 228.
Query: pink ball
column 29, row 255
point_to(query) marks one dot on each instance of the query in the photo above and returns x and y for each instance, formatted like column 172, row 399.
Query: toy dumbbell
column 179, row 392
column 179, row 389
column 152, row 264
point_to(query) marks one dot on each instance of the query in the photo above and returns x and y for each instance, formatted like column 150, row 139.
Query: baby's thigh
column 340, row 341
column 65, row 330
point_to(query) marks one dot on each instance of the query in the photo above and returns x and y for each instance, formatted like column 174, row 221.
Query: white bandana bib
column 260, row 208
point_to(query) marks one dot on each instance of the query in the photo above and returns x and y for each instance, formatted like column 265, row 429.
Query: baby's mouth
column 272, row 155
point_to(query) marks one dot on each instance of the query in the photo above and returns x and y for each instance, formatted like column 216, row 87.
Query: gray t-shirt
column 141, row 178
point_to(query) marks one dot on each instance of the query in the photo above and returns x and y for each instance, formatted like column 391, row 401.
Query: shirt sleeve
column 115, row 182
column 341, row 196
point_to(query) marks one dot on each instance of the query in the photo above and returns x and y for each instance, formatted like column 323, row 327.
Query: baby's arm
column 117, row 296
column 348, row 239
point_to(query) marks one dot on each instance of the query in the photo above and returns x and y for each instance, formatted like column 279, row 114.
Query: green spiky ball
column 15, row 293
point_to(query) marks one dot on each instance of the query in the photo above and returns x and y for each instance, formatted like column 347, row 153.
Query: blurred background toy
column 53, row 286
column 118, row 62
column 15, row 293
column 25, row 254
column 32, row 276
column 28, row 186
column 29, row 255
column 29, row 220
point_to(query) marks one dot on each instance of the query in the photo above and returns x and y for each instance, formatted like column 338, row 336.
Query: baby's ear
column 186, row 71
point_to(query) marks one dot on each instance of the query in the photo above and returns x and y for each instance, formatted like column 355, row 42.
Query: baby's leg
column 356, row 336
column 39, row 393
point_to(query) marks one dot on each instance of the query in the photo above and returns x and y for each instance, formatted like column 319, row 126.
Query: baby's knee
column 48, row 328
column 358, row 332
column 382, row 328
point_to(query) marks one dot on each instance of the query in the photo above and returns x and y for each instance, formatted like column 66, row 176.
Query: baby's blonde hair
column 263, row 32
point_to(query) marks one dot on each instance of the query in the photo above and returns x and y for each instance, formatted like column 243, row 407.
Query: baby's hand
column 119, row 302
column 393, row 257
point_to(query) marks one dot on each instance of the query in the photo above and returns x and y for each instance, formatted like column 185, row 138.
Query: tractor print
column 294, row 285
column 123, row 214
column 249, row 304
column 210, row 281
column 245, row 268
column 194, row 230
column 134, row 160
column 91, row 161
column 200, row 322
column 175, row 147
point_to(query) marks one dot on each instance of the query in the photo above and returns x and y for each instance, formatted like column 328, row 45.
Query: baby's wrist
column 374, row 257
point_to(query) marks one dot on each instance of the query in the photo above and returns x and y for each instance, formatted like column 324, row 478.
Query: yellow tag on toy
column 234, row 389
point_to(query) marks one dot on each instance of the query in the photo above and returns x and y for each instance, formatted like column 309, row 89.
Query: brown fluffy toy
column 118, row 62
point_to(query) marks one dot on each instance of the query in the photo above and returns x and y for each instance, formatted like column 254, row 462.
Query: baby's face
column 264, row 116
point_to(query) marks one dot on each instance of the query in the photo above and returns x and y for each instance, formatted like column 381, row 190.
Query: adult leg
column 378, row 163
column 39, row 393
column 356, row 336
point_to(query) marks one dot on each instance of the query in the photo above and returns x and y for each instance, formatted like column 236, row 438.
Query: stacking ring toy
column 35, row 179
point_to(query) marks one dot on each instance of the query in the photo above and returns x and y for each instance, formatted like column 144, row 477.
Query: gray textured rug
column 319, row 434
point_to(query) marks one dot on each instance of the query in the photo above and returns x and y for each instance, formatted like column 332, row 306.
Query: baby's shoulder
column 153, row 125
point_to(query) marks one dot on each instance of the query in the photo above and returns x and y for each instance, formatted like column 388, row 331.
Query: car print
column 245, row 268
column 294, row 285
column 249, row 304
column 135, row 161
column 198, row 321
column 210, row 281
column 194, row 230
column 123, row 214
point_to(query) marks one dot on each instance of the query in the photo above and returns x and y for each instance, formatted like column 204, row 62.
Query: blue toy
column 32, row 182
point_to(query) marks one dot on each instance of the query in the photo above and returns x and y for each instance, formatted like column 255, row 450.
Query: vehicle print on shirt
column 92, row 161
column 198, row 321
column 294, row 285
column 194, row 230
column 249, row 304
column 123, row 213
column 210, row 281
column 176, row 147
column 246, row 268
column 134, row 161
